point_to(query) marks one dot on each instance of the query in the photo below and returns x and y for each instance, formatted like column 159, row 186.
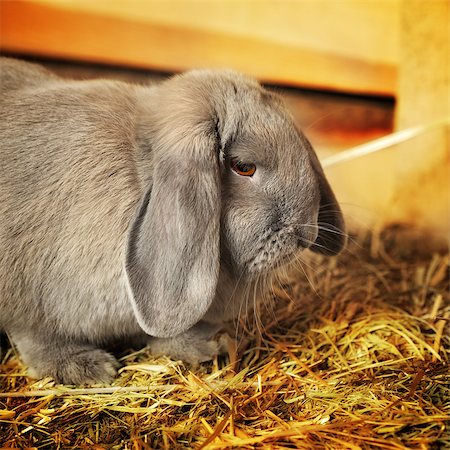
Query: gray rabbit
column 145, row 214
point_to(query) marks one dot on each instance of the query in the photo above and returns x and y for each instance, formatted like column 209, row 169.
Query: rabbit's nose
column 308, row 235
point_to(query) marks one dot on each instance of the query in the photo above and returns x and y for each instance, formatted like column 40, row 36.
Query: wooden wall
column 349, row 45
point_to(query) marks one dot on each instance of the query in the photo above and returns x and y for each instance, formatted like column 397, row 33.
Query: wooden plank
column 365, row 30
column 47, row 30
column 407, row 180
column 422, row 193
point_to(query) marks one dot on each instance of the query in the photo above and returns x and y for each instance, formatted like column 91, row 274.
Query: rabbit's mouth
column 264, row 264
column 273, row 249
column 280, row 250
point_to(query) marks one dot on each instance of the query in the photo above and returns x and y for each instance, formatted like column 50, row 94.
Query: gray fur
column 120, row 217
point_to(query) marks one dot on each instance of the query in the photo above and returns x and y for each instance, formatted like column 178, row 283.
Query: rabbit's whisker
column 258, row 322
column 300, row 265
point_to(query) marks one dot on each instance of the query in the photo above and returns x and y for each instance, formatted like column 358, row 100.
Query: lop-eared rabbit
column 146, row 214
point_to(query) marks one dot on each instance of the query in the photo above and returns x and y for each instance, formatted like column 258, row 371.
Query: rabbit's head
column 233, row 182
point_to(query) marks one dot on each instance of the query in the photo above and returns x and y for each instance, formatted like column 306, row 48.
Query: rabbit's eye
column 241, row 168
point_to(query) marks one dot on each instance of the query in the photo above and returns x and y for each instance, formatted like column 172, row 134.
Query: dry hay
column 358, row 361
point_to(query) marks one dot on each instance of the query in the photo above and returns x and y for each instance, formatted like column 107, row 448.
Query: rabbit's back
column 15, row 74
column 67, row 191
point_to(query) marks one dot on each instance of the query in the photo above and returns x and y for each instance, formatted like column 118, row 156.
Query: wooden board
column 70, row 30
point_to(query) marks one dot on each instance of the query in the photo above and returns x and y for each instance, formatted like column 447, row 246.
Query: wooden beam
column 46, row 30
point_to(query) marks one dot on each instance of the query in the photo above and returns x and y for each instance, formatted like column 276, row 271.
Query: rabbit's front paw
column 85, row 366
column 199, row 352
column 195, row 346
column 65, row 362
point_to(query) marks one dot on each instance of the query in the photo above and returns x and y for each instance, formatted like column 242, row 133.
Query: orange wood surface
column 45, row 30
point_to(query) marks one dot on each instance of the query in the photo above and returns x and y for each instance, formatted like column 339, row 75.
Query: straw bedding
column 351, row 353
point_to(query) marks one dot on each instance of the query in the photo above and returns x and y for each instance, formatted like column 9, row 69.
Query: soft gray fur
column 121, row 219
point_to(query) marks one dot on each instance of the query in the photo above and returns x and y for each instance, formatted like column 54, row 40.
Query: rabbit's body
column 38, row 219
column 106, row 233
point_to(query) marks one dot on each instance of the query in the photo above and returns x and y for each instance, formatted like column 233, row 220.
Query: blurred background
column 367, row 80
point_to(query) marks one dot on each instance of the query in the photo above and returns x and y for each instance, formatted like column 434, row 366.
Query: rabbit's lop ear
column 172, row 260
column 332, row 237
